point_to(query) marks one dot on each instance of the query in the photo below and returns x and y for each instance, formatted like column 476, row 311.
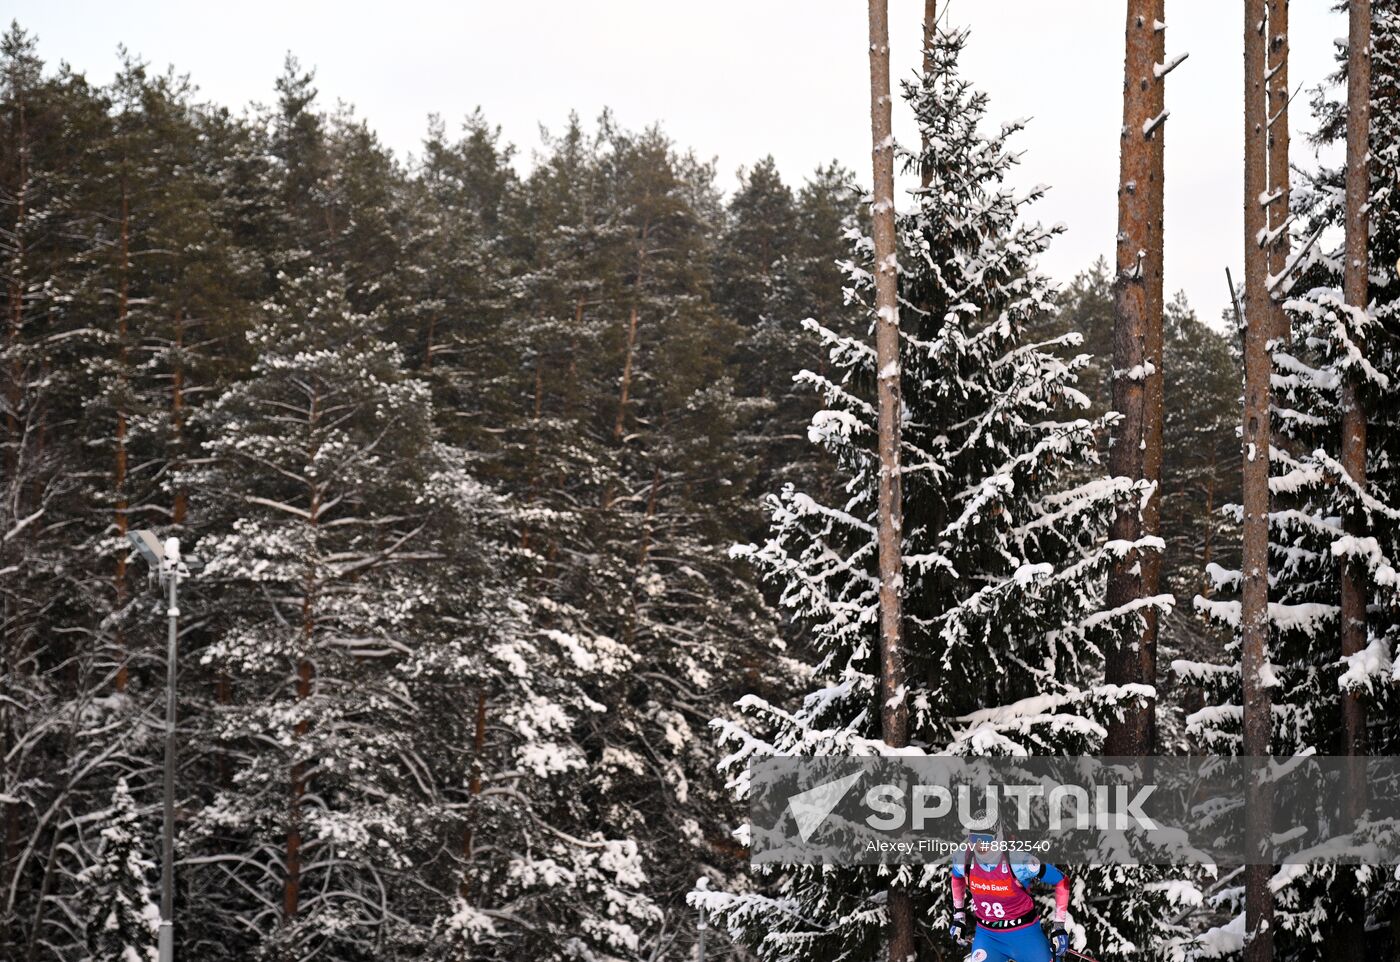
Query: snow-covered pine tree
column 1318, row 508
column 61, row 176
column 759, row 285
column 534, row 871
column 504, row 697
column 627, row 534
column 120, row 917
column 308, row 487
column 393, row 705
column 1005, row 542
column 456, row 270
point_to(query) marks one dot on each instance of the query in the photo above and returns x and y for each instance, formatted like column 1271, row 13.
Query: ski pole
column 1081, row 955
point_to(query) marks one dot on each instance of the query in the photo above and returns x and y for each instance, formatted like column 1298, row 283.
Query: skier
column 1007, row 920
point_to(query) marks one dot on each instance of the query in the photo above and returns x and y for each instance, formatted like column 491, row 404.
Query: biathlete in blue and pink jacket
column 1008, row 922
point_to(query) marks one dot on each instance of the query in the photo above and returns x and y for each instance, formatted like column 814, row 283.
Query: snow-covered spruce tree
column 120, row 915
column 1004, row 549
column 1318, row 510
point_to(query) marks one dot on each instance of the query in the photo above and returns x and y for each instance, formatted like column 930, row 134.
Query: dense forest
column 534, row 495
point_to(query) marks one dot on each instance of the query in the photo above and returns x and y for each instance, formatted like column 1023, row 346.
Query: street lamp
column 165, row 562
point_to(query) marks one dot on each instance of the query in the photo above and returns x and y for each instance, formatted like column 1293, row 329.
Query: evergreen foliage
column 466, row 441
column 1005, row 542
column 1316, row 507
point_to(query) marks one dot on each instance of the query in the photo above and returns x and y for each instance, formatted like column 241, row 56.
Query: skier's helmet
column 987, row 844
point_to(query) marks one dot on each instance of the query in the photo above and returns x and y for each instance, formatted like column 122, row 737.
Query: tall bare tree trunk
column 179, row 506
column 643, row 552
column 119, row 469
column 16, row 288
column 1353, row 576
column 1207, row 584
column 536, row 412
column 14, row 437
column 1254, row 615
column 1136, row 332
column 473, row 790
column 306, row 674
column 291, row 891
column 894, row 712
column 1152, row 385
column 623, row 394
column 1280, row 189
column 930, row 35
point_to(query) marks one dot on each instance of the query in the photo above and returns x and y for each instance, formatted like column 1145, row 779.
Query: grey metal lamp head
column 148, row 546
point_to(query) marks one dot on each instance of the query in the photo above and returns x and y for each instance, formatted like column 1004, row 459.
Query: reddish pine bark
column 1354, row 589
column 930, row 35
column 1145, row 722
column 1138, row 258
column 894, row 713
column 1254, row 617
column 1280, row 187
column 120, row 467
column 632, row 318
column 474, row 788
column 306, row 672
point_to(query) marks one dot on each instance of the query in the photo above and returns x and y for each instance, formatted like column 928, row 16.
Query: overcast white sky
column 738, row 79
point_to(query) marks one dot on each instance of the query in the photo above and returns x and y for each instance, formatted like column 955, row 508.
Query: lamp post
column 701, row 885
column 164, row 559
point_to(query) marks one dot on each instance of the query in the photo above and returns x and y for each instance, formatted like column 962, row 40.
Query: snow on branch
column 1266, row 238
column 1160, row 70
column 1366, row 668
column 1274, row 280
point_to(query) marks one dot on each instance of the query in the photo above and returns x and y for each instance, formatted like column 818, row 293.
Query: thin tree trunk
column 1353, row 576
column 1153, row 384
column 14, row 432
column 621, row 422
column 930, row 36
column 537, row 410
column 894, row 711
column 1138, row 257
column 119, row 470
column 180, row 503
column 649, row 520
column 291, row 893
column 428, row 346
column 1279, row 176
column 1355, row 589
column 643, row 552
column 16, row 296
column 306, row 673
column 473, row 789
column 1209, row 537
column 1254, row 614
